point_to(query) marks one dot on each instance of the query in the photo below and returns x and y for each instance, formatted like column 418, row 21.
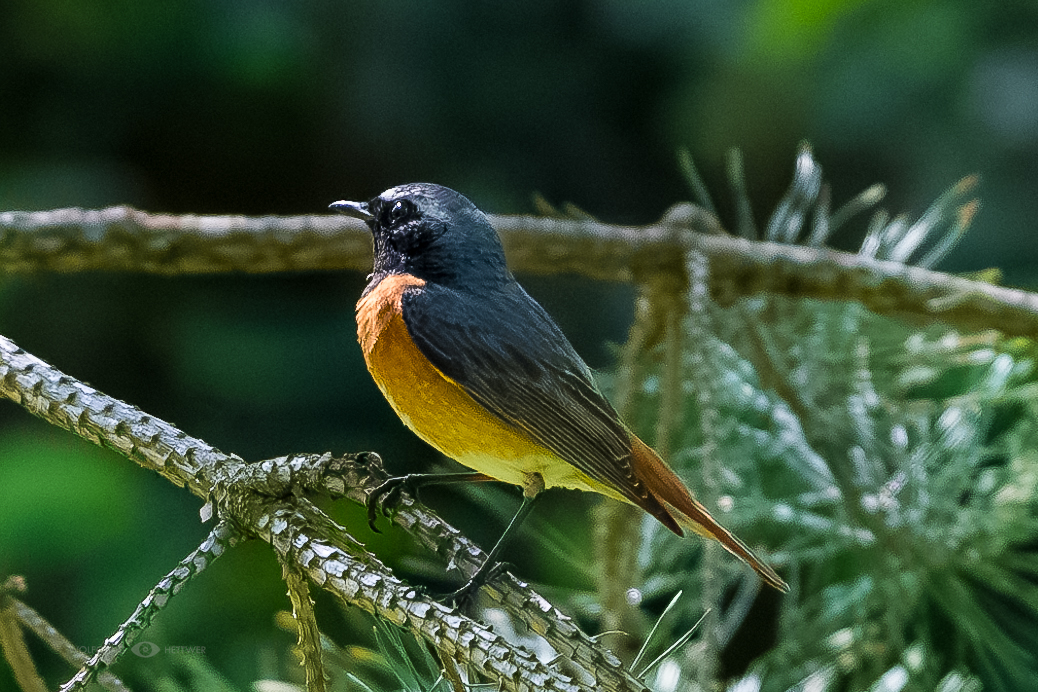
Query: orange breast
column 437, row 409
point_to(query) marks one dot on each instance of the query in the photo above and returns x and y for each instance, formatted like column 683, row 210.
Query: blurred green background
column 278, row 107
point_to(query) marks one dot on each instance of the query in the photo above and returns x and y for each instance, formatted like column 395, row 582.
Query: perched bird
column 476, row 367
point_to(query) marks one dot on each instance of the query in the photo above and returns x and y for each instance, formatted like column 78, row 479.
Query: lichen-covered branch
column 263, row 500
column 124, row 239
column 68, row 403
column 219, row 539
column 354, row 478
column 302, row 535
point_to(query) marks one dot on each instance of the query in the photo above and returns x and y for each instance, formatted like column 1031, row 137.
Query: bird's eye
column 398, row 212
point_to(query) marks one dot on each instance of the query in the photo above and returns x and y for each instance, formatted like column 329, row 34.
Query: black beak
column 358, row 210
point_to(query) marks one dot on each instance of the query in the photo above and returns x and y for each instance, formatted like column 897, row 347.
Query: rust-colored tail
column 675, row 498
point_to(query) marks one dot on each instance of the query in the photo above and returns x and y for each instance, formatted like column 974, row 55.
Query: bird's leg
column 490, row 567
column 388, row 492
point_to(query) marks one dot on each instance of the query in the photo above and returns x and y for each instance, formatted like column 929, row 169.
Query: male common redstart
column 480, row 371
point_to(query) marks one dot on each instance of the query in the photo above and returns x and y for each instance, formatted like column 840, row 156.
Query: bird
column 480, row 371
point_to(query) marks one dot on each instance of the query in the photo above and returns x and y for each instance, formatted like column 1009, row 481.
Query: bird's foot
column 387, row 495
column 483, row 576
column 371, row 461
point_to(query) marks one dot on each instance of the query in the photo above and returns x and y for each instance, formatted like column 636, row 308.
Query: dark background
column 278, row 107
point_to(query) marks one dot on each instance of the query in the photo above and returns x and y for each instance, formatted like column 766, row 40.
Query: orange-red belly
column 438, row 410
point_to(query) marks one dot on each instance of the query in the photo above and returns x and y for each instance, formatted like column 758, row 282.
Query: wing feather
column 515, row 361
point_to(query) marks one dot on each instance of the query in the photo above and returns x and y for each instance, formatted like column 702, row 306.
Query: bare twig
column 12, row 643
column 124, row 239
column 62, row 646
column 618, row 533
column 306, row 625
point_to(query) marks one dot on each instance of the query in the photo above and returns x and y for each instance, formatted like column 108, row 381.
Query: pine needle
column 787, row 221
column 863, row 201
column 744, row 223
column 656, row 626
column 700, row 193
column 682, row 640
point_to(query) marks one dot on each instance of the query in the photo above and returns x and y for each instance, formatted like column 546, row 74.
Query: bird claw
column 370, row 461
column 459, row 597
column 495, row 571
column 386, row 495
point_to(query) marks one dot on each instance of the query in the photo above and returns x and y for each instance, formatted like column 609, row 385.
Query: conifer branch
column 700, row 371
column 354, row 478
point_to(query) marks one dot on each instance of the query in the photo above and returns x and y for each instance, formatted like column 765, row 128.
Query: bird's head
column 431, row 232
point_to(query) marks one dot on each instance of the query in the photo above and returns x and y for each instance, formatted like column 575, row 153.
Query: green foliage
column 907, row 517
column 70, row 476
column 890, row 470
column 186, row 672
column 380, row 659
